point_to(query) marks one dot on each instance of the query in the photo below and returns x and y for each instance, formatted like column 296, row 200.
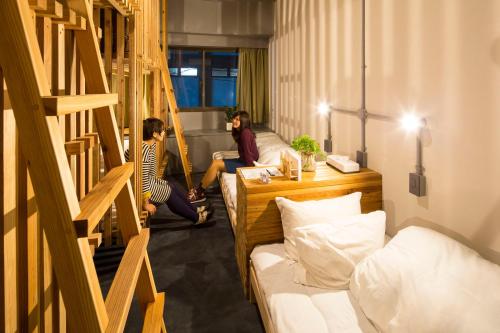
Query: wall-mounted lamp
column 326, row 109
column 412, row 123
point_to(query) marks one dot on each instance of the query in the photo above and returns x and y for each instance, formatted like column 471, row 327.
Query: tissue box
column 342, row 163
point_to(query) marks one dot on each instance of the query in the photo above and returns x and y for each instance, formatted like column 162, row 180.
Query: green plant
column 230, row 112
column 306, row 144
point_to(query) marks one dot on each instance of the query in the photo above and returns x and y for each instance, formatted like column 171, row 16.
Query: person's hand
column 150, row 208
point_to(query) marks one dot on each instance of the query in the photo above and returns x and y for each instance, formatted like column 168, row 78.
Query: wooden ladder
column 179, row 131
column 69, row 224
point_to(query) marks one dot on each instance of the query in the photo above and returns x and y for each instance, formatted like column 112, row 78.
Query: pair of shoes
column 203, row 219
column 196, row 194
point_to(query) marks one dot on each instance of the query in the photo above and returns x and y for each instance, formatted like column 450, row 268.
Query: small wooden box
column 259, row 220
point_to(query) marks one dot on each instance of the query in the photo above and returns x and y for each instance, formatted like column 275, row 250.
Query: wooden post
column 108, row 46
column 120, row 56
column 133, row 109
column 8, row 248
column 81, row 175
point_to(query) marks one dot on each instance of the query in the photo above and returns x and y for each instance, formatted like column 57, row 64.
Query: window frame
column 203, row 75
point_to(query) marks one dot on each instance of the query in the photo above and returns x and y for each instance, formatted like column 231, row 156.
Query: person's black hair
column 245, row 122
column 151, row 126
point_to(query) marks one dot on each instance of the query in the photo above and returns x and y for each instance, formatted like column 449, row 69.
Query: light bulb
column 323, row 108
column 411, row 122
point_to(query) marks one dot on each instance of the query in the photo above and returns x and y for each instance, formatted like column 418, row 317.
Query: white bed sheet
column 230, row 188
column 296, row 308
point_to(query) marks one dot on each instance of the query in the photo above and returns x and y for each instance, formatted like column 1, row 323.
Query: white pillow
column 423, row 281
column 298, row 214
column 329, row 252
column 271, row 155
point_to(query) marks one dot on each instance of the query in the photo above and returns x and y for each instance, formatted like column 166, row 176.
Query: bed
column 286, row 306
column 269, row 145
column 419, row 281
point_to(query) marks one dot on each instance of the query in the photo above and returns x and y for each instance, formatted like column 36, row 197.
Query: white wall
column 220, row 23
column 439, row 57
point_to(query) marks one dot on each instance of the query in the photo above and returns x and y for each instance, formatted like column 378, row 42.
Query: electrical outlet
column 362, row 159
column 417, row 185
column 328, row 146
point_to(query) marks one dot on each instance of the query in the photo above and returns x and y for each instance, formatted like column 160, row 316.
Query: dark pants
column 178, row 204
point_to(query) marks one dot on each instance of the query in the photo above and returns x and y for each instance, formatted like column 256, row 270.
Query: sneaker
column 204, row 219
column 207, row 207
column 196, row 195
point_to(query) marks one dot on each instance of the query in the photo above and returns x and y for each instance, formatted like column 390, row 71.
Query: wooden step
column 95, row 241
column 122, row 289
column 74, row 147
column 61, row 105
column 69, row 17
column 38, row 4
column 54, row 10
column 95, row 204
column 80, row 24
column 88, row 141
column 153, row 319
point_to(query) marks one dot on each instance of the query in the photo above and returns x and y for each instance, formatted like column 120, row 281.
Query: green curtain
column 252, row 87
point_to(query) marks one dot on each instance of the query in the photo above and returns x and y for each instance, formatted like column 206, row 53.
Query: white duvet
column 423, row 281
column 295, row 308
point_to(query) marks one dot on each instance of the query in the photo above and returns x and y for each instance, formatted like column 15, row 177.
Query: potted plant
column 229, row 117
column 308, row 149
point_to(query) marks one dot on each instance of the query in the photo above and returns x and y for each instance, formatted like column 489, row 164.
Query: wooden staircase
column 179, row 131
column 69, row 224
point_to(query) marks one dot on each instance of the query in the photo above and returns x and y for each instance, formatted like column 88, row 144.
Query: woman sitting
column 247, row 148
column 155, row 190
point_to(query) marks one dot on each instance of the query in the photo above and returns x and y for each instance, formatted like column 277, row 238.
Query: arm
column 146, row 183
column 246, row 145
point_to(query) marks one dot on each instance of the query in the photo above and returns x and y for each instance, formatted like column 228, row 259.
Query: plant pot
column 229, row 127
column 308, row 162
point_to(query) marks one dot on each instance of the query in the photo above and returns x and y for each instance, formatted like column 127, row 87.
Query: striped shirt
column 159, row 188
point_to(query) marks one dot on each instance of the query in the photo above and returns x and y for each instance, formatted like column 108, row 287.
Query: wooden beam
column 88, row 142
column 54, row 10
column 80, row 24
column 38, row 4
column 120, row 56
column 69, row 17
column 96, row 202
column 119, row 7
column 74, row 147
column 8, row 248
column 124, row 284
column 61, row 105
column 108, row 46
column 128, row 217
column 94, row 137
column 43, row 149
column 95, row 241
column 154, row 315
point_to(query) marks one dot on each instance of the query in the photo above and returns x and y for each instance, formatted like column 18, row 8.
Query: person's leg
column 211, row 174
column 181, row 195
column 177, row 204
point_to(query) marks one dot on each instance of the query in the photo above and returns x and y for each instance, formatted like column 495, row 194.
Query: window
column 203, row 78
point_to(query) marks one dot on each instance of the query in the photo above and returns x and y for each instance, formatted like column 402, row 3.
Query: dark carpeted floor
column 197, row 270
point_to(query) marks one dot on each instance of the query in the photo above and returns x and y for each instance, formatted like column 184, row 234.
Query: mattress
column 228, row 188
column 296, row 308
